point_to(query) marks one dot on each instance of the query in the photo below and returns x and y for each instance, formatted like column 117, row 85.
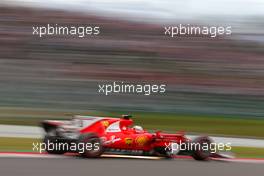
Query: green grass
column 202, row 124
column 17, row 144
column 248, row 152
column 26, row 121
column 26, row 145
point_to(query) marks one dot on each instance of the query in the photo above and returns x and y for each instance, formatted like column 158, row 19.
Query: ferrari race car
column 92, row 136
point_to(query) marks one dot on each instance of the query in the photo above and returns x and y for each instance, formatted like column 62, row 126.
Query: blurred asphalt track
column 36, row 132
column 116, row 166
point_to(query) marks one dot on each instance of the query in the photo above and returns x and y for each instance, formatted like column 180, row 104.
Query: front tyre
column 202, row 150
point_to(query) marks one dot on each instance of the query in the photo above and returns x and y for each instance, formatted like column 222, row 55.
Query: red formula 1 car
column 92, row 136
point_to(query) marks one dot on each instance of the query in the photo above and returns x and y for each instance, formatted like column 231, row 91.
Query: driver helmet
column 138, row 128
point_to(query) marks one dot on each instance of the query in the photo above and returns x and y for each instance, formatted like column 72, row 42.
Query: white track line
column 38, row 155
column 24, row 155
column 241, row 160
column 131, row 156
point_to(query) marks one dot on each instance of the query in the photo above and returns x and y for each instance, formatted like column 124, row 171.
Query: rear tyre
column 202, row 152
column 92, row 146
column 51, row 148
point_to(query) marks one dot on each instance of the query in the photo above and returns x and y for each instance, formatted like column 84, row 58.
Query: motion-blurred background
column 214, row 85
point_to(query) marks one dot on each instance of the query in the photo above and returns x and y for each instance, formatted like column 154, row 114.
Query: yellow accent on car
column 128, row 141
column 141, row 140
column 105, row 123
